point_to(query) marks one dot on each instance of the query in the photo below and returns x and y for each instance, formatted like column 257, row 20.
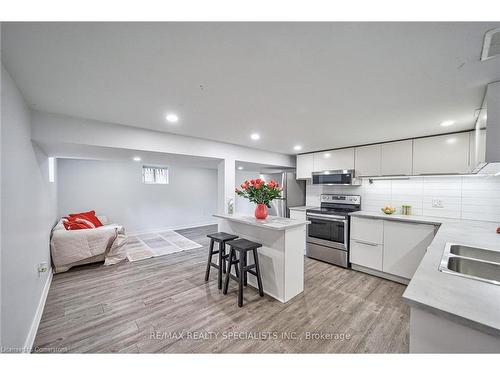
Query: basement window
column 52, row 169
column 154, row 175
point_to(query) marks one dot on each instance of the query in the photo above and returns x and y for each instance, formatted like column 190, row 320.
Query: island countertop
column 302, row 208
column 271, row 222
column 470, row 302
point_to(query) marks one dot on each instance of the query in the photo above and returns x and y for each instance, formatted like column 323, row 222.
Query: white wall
column 243, row 205
column 28, row 214
column 462, row 197
column 115, row 189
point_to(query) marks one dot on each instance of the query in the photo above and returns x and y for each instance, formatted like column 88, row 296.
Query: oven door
column 327, row 230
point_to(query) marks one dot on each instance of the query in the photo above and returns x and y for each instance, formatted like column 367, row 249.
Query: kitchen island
column 281, row 256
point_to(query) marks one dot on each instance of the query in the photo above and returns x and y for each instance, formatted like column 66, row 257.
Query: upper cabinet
column 367, row 160
column 456, row 153
column 396, row 158
column 477, row 147
column 304, row 166
column 441, row 154
column 334, row 160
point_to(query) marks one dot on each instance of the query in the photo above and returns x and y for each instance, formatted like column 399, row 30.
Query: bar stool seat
column 221, row 238
column 243, row 246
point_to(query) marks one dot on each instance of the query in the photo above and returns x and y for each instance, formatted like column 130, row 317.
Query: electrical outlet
column 43, row 267
column 437, row 203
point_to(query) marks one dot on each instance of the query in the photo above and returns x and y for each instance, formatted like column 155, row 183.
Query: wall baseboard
column 177, row 227
column 28, row 344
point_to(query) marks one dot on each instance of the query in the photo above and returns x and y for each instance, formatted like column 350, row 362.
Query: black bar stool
column 243, row 246
column 221, row 238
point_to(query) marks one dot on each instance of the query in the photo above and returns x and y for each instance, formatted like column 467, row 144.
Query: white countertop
column 302, row 208
column 470, row 302
column 271, row 222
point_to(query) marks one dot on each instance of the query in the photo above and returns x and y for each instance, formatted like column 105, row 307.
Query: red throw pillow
column 74, row 225
column 85, row 222
column 89, row 216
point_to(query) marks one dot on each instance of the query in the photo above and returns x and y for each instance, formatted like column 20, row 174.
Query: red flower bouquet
column 260, row 193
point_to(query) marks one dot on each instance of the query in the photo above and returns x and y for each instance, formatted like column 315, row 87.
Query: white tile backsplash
column 467, row 197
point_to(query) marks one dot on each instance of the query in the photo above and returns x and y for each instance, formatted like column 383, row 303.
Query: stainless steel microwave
column 337, row 177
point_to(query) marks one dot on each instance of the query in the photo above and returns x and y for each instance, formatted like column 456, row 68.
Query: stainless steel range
column 328, row 233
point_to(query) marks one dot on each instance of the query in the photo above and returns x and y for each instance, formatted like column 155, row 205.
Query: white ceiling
column 321, row 85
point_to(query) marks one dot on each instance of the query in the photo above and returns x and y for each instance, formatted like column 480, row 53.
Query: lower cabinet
column 297, row 214
column 392, row 247
column 367, row 254
column 404, row 247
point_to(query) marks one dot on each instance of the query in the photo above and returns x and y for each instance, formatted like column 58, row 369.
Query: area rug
column 149, row 245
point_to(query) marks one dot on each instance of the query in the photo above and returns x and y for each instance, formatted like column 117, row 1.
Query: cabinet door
column 405, row 245
column 297, row 214
column 304, row 166
column 334, row 160
column 366, row 254
column 367, row 230
column 477, row 148
column 367, row 160
column 396, row 158
column 441, row 154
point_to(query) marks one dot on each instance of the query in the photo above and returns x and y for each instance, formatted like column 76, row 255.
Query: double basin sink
column 471, row 262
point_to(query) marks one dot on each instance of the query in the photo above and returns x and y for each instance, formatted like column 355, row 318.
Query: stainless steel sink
column 471, row 262
column 483, row 270
column 475, row 253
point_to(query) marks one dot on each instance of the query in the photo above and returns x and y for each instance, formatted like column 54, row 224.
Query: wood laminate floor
column 164, row 305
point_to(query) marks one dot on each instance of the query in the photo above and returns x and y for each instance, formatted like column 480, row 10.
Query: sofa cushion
column 76, row 225
column 89, row 216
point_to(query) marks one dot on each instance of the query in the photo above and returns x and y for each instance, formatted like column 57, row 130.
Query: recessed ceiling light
column 172, row 118
column 451, row 141
column 240, row 168
column 327, row 155
column 255, row 136
column 136, row 158
column 447, row 123
column 297, row 147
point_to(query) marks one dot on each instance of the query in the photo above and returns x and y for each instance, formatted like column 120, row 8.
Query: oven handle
column 325, row 217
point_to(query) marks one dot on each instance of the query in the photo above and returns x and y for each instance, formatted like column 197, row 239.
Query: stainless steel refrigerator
column 294, row 193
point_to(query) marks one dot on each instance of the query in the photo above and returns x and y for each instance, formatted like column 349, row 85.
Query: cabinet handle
column 366, row 243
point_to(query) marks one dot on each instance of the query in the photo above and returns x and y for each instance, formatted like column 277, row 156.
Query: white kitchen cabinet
column 477, row 147
column 297, row 214
column 334, row 160
column 366, row 242
column 441, row 154
column 367, row 160
column 305, row 166
column 396, row 158
column 366, row 254
column 367, row 230
column 405, row 245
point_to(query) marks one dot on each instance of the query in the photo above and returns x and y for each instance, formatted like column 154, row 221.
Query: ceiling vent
column 491, row 46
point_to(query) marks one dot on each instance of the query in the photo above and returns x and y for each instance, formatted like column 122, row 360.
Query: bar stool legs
column 229, row 266
column 257, row 271
column 222, row 261
column 243, row 246
column 209, row 262
column 221, row 238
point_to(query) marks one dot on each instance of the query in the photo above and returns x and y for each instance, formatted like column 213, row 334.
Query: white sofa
column 71, row 248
